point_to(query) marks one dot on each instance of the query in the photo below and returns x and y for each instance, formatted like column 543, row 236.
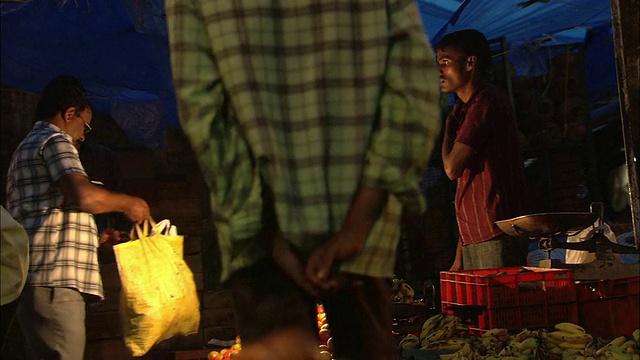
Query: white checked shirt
column 63, row 241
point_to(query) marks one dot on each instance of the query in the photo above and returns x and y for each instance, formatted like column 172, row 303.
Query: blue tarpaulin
column 119, row 48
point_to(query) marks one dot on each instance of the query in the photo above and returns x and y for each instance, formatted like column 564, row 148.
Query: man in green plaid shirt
column 312, row 122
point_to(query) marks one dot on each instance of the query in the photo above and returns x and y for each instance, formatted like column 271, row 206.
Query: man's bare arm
column 80, row 192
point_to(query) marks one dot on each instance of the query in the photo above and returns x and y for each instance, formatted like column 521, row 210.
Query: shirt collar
column 460, row 108
column 43, row 124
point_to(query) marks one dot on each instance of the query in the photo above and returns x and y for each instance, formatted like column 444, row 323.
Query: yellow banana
column 617, row 349
column 622, row 356
column 636, row 335
column 550, row 345
column 407, row 293
column 602, row 350
column 434, row 336
column 569, row 352
column 451, row 323
column 432, row 322
column 573, row 357
column 590, row 348
column 548, row 339
column 467, row 351
column 409, row 342
column 451, row 344
column 559, row 335
column 453, row 356
column 522, row 335
column 557, row 350
column 529, row 343
column 486, row 342
column 515, row 346
column 506, row 351
column 618, row 341
column 568, row 345
column 578, row 338
column 570, row 328
column 629, row 346
column 449, row 328
column 434, row 333
column 496, row 332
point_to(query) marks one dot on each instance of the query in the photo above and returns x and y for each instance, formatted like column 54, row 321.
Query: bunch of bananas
column 443, row 332
column 494, row 345
column 567, row 341
column 401, row 291
column 439, row 332
column 571, row 342
column 620, row 348
column 497, row 343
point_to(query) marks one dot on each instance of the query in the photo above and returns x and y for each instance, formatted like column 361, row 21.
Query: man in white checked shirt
column 49, row 193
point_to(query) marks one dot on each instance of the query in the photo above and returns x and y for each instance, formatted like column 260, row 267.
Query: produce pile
column 226, row 353
column 401, row 291
column 325, row 347
column 567, row 342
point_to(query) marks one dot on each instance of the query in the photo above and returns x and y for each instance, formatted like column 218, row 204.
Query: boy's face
column 455, row 70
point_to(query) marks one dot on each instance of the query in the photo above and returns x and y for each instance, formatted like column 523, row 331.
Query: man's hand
column 289, row 263
column 138, row 210
column 365, row 210
column 456, row 266
column 112, row 237
column 319, row 266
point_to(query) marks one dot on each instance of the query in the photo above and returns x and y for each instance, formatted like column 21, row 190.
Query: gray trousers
column 52, row 321
column 501, row 251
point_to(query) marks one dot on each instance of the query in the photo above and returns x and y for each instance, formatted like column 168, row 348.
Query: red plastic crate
column 517, row 318
column 516, row 298
column 609, row 308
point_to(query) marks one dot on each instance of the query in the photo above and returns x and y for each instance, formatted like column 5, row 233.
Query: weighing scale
column 546, row 228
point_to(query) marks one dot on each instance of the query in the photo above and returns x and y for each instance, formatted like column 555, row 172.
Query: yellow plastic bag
column 159, row 299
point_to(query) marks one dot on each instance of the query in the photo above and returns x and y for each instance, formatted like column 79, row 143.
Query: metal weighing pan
column 548, row 224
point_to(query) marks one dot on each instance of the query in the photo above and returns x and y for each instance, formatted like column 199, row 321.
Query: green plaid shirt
column 305, row 100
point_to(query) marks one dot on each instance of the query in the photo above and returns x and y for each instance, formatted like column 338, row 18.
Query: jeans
column 8, row 312
column 501, row 251
column 53, row 322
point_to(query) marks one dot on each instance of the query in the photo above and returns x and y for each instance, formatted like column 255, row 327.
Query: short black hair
column 470, row 42
column 61, row 93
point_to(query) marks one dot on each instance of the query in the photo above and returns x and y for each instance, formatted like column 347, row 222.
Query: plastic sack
column 158, row 299
column 581, row 256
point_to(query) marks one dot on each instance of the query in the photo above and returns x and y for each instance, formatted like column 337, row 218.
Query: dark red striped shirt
column 492, row 187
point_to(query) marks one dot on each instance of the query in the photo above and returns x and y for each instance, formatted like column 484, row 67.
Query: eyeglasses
column 87, row 127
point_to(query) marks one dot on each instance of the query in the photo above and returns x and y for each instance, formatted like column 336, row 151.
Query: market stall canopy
column 520, row 20
column 119, row 48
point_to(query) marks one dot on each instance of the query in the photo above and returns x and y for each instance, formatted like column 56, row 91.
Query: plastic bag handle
column 164, row 227
column 138, row 232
